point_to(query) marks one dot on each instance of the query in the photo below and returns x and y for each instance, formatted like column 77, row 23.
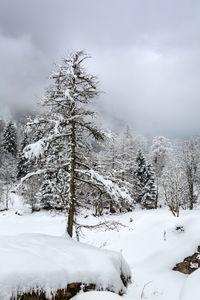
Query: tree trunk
column 156, row 200
column 112, row 210
column 7, row 195
column 191, row 195
column 71, row 212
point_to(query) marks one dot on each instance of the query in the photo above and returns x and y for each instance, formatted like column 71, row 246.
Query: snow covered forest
column 66, row 178
column 63, row 159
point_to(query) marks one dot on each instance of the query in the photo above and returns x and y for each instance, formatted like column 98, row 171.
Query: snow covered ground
column 29, row 261
column 150, row 244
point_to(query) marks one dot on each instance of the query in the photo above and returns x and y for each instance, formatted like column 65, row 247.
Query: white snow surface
column 97, row 296
column 191, row 289
column 150, row 244
column 29, row 261
column 34, row 150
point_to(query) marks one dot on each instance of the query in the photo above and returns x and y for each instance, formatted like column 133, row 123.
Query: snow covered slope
column 151, row 245
column 29, row 261
column 191, row 289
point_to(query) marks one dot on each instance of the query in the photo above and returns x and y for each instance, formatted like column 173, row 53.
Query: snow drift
column 32, row 262
column 191, row 289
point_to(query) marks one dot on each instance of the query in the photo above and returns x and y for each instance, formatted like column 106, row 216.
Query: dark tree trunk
column 112, row 210
column 71, row 212
column 156, row 200
column 191, row 189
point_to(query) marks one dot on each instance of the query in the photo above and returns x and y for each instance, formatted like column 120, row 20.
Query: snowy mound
column 97, row 296
column 32, row 261
column 191, row 290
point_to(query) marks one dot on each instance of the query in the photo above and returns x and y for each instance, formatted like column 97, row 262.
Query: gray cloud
column 145, row 52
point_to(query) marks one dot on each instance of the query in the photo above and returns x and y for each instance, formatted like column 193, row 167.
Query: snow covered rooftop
column 32, row 261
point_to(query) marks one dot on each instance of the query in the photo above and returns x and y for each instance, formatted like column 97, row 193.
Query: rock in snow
column 32, row 262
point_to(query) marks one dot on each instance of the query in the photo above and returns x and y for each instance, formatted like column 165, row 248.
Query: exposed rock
column 190, row 263
column 180, row 228
column 64, row 294
column 71, row 290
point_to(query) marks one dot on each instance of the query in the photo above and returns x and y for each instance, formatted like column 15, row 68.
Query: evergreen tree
column 22, row 164
column 145, row 190
column 10, row 140
column 149, row 198
column 7, row 176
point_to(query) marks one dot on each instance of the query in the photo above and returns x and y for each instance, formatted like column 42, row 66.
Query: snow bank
column 32, row 261
column 97, row 296
column 152, row 245
column 191, row 290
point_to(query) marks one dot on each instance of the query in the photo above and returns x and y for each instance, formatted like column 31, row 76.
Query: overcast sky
column 145, row 52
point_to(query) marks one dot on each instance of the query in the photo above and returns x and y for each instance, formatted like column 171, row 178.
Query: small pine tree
column 145, row 190
column 10, row 140
column 149, row 198
column 7, row 176
column 22, row 164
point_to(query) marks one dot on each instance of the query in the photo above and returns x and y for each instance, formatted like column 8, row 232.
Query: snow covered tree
column 126, row 154
column 145, row 190
column 160, row 152
column 174, row 184
column 30, row 193
column 7, row 176
column 10, row 140
column 8, row 160
column 190, row 162
column 22, row 163
column 116, row 163
column 68, row 97
column 62, row 152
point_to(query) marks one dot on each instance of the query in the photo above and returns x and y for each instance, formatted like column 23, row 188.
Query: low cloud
column 146, row 54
